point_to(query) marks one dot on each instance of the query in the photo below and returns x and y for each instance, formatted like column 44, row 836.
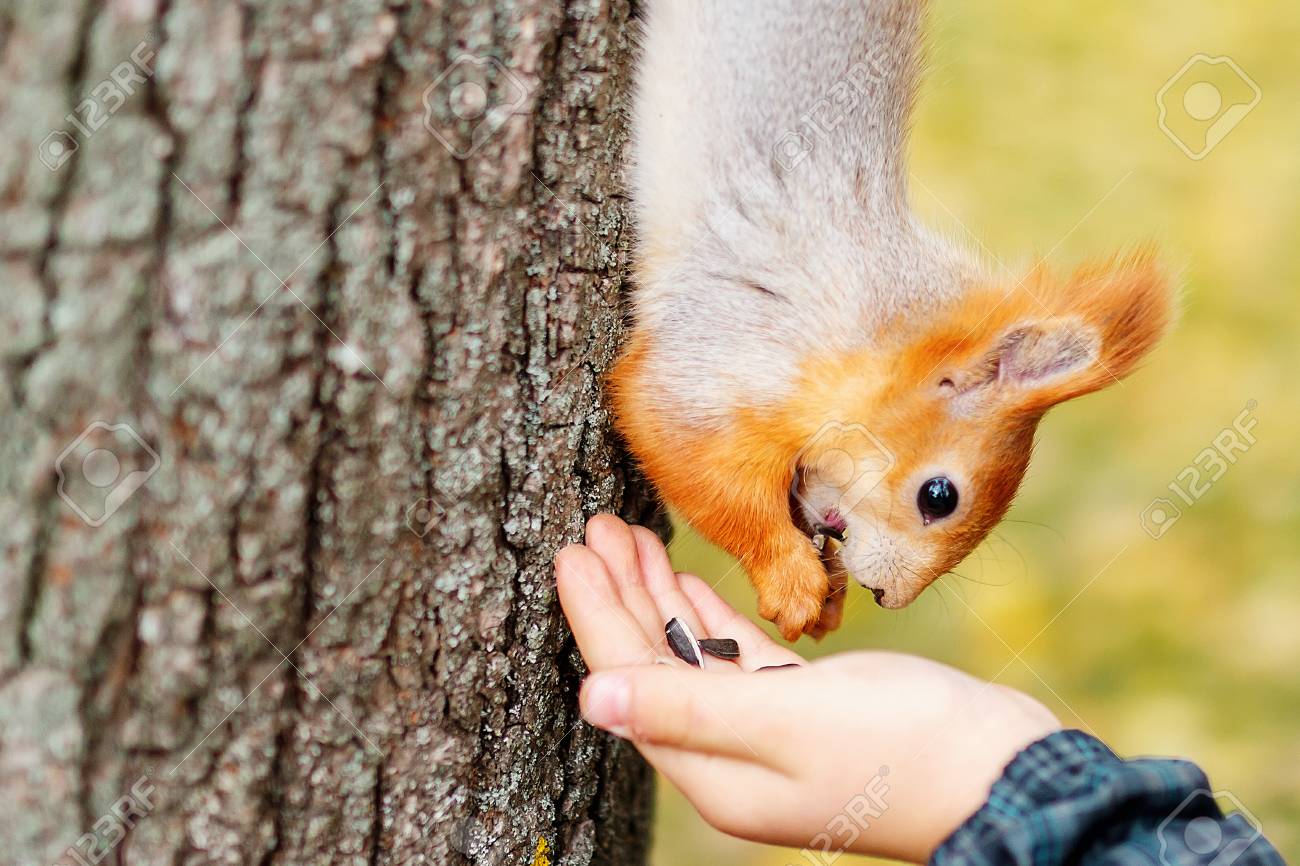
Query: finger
column 607, row 634
column 702, row 777
column 661, row 582
column 722, row 620
column 687, row 709
column 612, row 540
column 734, row 796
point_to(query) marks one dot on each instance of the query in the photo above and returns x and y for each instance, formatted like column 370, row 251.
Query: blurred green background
column 1037, row 130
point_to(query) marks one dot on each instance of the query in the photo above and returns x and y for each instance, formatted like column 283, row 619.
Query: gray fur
column 753, row 262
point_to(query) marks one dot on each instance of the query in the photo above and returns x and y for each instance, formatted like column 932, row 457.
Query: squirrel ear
column 1035, row 354
column 1060, row 339
column 1029, row 355
column 1108, row 317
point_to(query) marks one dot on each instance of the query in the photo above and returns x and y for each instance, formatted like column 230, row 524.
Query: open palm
column 874, row 752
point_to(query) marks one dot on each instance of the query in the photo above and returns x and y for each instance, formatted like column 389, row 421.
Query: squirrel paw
column 793, row 595
column 832, row 611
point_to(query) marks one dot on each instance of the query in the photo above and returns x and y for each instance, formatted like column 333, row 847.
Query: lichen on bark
column 270, row 267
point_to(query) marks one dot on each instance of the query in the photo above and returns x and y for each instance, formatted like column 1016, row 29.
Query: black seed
column 720, row 647
column 823, row 529
column 682, row 642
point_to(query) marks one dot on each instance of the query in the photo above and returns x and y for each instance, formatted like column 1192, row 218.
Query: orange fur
column 938, row 383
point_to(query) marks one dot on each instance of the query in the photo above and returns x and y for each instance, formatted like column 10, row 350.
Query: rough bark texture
column 258, row 631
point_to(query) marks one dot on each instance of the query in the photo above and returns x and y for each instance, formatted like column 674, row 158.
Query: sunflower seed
column 720, row 647
column 683, row 643
column 831, row 531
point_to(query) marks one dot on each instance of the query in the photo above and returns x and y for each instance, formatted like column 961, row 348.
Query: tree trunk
column 301, row 333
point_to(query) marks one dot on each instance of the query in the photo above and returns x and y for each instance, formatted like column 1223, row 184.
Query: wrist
column 963, row 786
column 1052, row 768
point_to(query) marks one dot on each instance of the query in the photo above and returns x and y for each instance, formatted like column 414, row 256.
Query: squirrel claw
column 796, row 610
column 832, row 611
column 793, row 626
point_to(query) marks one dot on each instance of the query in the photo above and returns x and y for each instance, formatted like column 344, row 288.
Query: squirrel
column 816, row 381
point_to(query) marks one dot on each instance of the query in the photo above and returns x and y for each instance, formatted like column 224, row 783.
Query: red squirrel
column 807, row 360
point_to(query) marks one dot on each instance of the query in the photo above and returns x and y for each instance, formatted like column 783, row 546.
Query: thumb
column 681, row 708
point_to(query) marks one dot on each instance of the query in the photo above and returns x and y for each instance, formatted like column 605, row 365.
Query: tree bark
column 300, row 396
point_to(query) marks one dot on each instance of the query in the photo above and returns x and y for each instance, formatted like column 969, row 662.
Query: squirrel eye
column 936, row 499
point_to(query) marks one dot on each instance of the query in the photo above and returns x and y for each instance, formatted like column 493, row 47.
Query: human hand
column 785, row 756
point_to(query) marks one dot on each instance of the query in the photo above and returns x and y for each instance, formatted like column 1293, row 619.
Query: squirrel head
column 923, row 443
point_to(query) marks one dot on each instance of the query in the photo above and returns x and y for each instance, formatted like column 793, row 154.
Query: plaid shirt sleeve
column 1069, row 799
